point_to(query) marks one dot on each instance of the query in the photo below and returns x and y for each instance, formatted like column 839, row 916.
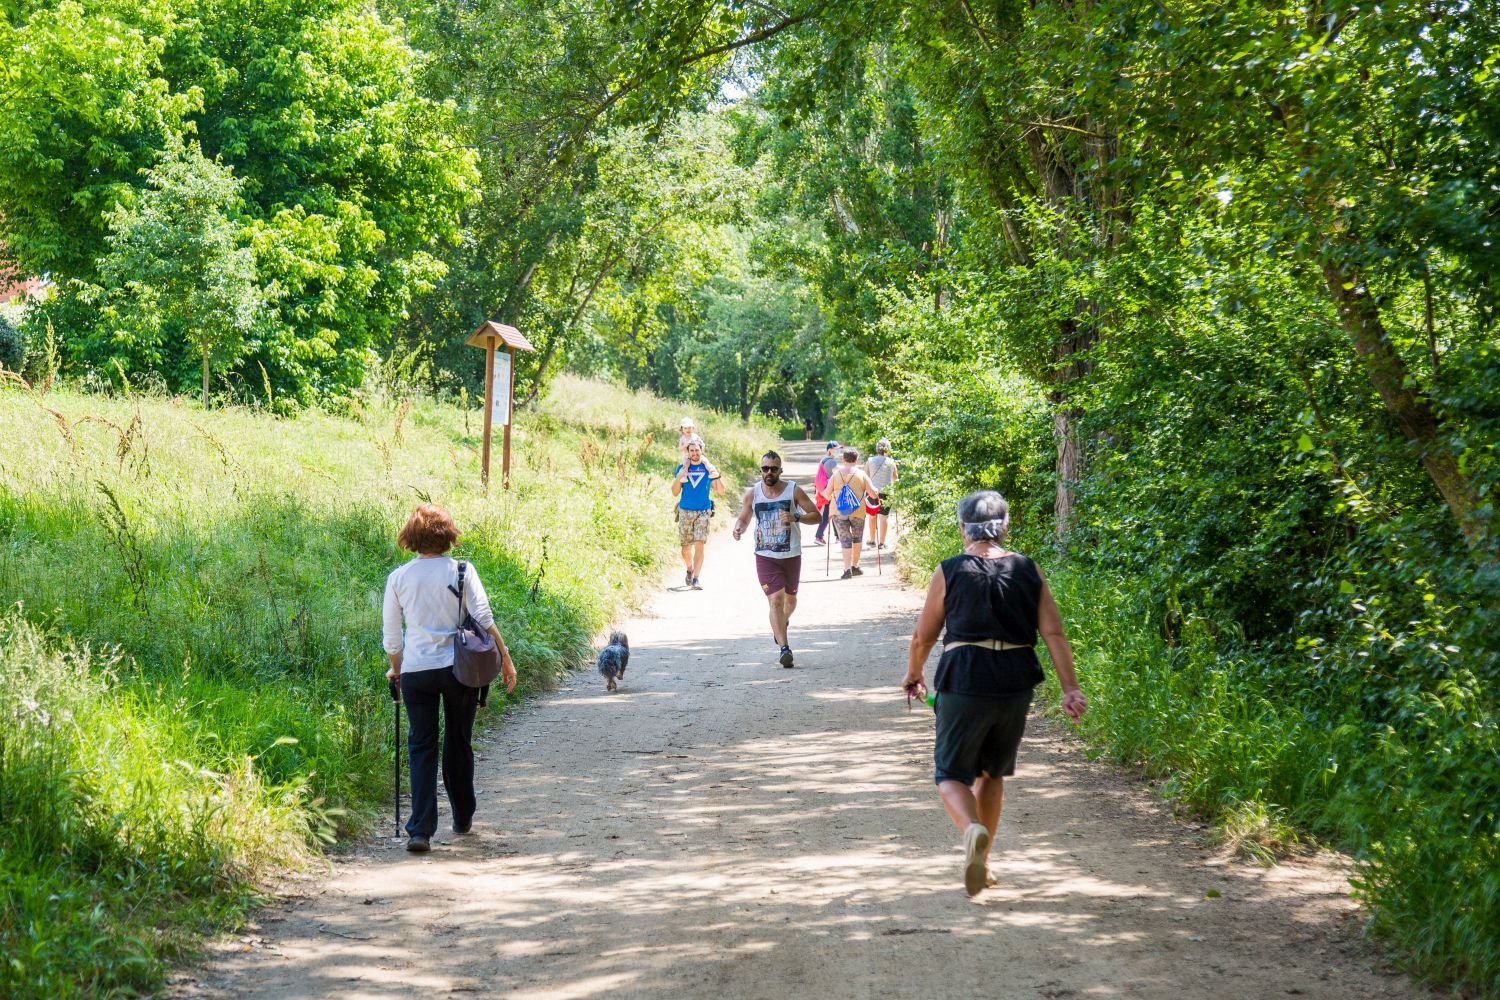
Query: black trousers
column 424, row 691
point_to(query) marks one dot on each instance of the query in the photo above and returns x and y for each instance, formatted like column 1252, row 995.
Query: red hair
column 429, row 531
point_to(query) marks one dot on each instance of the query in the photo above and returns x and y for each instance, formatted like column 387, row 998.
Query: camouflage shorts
column 692, row 525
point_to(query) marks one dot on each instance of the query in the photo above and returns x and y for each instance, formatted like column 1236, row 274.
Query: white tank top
column 774, row 538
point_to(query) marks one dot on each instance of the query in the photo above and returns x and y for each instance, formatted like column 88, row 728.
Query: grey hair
column 882, row 446
column 984, row 516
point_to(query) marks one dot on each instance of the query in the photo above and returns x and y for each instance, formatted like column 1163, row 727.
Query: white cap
column 686, row 422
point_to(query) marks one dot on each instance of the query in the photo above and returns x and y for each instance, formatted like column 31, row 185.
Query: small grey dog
column 614, row 658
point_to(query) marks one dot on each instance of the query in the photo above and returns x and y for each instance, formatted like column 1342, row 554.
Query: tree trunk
column 1069, row 462
column 1076, row 335
column 1398, row 389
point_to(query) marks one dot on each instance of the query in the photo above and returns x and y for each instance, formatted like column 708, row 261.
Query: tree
column 176, row 265
column 351, row 180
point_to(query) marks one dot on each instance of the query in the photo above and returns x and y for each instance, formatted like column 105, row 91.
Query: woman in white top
column 422, row 594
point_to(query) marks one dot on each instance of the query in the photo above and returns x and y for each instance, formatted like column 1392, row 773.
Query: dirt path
column 726, row 828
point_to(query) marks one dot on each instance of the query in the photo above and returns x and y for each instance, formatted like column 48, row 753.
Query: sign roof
column 490, row 332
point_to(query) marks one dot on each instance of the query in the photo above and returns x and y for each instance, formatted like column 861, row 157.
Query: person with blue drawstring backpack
column 847, row 490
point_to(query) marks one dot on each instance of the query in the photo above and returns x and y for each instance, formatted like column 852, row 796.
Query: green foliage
column 231, row 565
column 349, row 180
column 12, row 344
column 175, row 271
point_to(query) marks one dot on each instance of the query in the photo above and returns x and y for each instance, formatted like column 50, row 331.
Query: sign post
column 499, row 388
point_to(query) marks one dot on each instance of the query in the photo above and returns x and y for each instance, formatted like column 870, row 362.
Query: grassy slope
column 190, row 674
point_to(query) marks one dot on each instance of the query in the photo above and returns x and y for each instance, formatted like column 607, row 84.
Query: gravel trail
column 725, row 828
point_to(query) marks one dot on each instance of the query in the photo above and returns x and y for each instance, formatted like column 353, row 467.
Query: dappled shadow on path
column 724, row 827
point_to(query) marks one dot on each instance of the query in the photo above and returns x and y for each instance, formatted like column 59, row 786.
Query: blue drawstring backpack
column 846, row 502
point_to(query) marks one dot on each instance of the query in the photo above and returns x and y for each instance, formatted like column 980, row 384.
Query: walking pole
column 396, row 750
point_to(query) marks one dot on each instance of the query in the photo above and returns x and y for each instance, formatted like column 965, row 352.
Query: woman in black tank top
column 994, row 603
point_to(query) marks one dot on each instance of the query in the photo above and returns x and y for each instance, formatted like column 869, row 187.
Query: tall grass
column 190, row 669
column 1414, row 801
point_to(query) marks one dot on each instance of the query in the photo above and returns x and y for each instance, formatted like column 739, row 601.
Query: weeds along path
column 726, row 828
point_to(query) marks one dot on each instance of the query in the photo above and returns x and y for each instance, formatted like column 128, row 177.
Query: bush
column 12, row 344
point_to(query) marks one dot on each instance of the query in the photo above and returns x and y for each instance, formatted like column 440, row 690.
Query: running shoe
column 819, row 541
column 687, row 580
column 696, row 584
column 976, row 843
column 847, row 574
column 786, row 656
column 857, row 571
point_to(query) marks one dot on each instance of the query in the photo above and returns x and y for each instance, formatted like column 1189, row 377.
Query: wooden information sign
column 499, row 387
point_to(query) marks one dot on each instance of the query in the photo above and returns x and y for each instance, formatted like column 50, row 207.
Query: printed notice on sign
column 500, row 389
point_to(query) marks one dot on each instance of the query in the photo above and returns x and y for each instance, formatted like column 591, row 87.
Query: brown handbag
column 476, row 655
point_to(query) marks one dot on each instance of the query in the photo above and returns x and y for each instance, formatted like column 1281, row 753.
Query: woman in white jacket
column 422, row 595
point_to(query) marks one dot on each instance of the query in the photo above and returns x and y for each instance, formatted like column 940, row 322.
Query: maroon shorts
column 778, row 574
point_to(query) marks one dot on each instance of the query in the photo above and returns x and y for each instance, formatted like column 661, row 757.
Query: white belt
column 994, row 644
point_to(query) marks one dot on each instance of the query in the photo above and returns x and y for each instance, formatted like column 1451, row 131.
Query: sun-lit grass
column 190, row 670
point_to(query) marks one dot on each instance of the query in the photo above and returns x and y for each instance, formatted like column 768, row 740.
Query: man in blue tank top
column 694, row 509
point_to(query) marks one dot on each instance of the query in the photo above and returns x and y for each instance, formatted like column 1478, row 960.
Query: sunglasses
column 770, row 468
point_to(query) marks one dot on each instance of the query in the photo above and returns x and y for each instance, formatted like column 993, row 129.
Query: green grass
column 190, row 667
column 1414, row 800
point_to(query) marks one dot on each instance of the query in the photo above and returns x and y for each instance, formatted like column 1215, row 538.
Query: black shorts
column 978, row 733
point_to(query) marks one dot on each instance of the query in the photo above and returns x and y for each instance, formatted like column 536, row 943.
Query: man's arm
column 678, row 480
column 807, row 511
column 747, row 511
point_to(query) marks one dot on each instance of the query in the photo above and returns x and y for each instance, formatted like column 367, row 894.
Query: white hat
column 686, row 422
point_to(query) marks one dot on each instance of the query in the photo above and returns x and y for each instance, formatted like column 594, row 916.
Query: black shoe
column 786, row 656
column 687, row 580
column 847, row 574
column 697, row 584
column 463, row 827
column 857, row 571
column 418, row 844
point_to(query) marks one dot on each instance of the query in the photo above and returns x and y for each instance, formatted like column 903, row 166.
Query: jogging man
column 694, row 508
column 826, row 467
column 846, row 492
column 882, row 472
column 778, row 506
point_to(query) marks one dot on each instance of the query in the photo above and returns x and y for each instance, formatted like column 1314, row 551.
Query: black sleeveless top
column 990, row 599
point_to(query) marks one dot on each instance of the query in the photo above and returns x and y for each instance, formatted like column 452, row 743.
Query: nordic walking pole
column 396, row 748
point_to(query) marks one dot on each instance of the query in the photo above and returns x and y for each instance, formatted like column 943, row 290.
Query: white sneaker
column 976, row 843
